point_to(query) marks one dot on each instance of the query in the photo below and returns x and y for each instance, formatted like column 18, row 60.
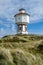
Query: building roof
column 21, row 9
column 22, row 13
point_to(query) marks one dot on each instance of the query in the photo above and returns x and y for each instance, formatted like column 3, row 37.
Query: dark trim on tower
column 21, row 9
column 22, row 14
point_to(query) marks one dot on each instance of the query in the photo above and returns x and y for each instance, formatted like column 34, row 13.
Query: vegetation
column 21, row 50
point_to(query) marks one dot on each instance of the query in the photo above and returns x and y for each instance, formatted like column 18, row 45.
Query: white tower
column 22, row 19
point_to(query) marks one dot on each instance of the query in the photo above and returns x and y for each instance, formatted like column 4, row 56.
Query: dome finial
column 22, row 10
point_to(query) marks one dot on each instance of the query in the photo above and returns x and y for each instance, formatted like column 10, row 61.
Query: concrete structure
column 22, row 19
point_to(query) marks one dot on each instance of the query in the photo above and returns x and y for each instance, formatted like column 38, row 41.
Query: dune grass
column 21, row 50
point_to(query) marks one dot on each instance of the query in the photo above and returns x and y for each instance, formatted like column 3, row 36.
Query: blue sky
column 8, row 8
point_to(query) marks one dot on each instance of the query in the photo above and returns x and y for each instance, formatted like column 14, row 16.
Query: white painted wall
column 22, row 11
column 18, row 18
column 22, row 18
column 25, row 18
column 23, row 27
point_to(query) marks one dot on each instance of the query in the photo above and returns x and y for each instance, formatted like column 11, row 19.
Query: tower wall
column 22, row 19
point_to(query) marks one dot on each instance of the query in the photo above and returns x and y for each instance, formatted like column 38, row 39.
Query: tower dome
column 21, row 10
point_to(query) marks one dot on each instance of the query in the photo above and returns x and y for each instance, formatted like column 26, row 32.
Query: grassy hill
column 21, row 50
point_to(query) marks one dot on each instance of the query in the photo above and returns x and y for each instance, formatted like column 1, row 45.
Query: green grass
column 21, row 50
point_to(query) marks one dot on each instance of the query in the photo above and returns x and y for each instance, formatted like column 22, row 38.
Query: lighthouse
column 22, row 19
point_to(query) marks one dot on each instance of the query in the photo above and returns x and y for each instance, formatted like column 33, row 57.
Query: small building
column 22, row 19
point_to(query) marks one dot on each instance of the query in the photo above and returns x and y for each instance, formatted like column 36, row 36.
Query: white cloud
column 5, row 24
column 2, row 32
column 13, row 28
column 8, row 8
column 36, row 13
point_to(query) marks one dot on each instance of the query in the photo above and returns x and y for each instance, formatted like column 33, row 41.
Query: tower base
column 22, row 32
